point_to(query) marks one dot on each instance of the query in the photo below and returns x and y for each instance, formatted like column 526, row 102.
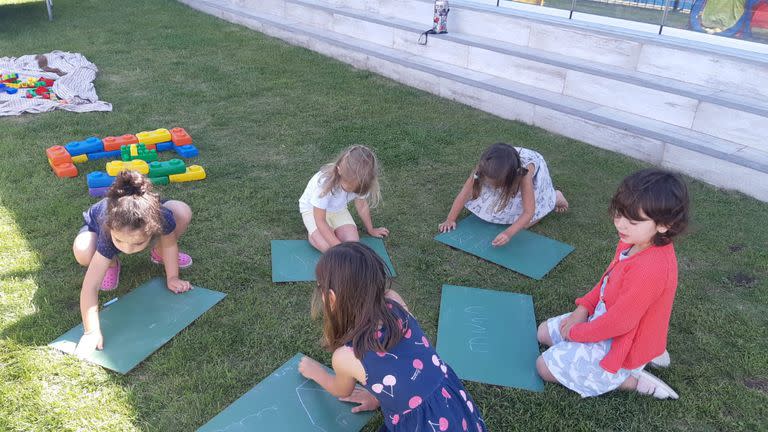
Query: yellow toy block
column 194, row 172
column 134, row 150
column 80, row 159
column 115, row 167
column 12, row 85
column 154, row 137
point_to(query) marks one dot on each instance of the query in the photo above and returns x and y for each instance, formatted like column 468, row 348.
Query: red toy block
column 48, row 82
column 41, row 91
column 65, row 170
column 58, row 155
column 180, row 137
column 114, row 143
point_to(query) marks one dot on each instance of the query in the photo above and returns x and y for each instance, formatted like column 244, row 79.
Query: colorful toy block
column 194, row 172
column 11, row 91
column 187, row 151
column 98, row 192
column 65, row 170
column 89, row 145
column 180, row 137
column 58, row 155
column 154, row 137
column 99, row 179
column 164, row 180
column 104, row 155
column 173, row 166
column 10, row 76
column 115, row 167
column 80, row 158
column 114, row 143
column 137, row 151
column 165, row 146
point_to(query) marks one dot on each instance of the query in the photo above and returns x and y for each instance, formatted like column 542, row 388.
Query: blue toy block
column 165, row 146
column 11, row 90
column 99, row 179
column 104, row 155
column 89, row 145
column 187, row 151
column 2, row 86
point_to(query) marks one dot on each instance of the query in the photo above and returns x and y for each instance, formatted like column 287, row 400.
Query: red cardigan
column 638, row 298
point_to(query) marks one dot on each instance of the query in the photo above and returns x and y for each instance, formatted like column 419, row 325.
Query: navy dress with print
column 416, row 389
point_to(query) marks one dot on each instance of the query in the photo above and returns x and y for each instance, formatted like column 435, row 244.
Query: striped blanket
column 73, row 86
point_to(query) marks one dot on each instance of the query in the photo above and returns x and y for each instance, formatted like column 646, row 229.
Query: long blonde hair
column 358, row 163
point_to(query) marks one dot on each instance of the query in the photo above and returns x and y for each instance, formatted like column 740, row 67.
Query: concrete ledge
column 691, row 152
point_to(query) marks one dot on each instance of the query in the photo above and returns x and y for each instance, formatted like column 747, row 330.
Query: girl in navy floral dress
column 378, row 343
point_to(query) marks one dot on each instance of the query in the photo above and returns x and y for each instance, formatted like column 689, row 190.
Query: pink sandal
column 184, row 259
column 111, row 278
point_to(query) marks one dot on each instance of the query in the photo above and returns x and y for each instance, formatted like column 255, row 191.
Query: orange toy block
column 180, row 137
column 114, row 143
column 64, row 170
column 58, row 155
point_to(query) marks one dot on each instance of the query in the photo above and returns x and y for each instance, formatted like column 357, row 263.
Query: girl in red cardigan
column 622, row 324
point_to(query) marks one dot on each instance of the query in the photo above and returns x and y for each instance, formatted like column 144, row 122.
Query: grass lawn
column 265, row 116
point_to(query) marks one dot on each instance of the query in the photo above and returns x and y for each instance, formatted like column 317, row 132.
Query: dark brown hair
column 501, row 164
column 359, row 279
column 132, row 206
column 661, row 195
column 356, row 162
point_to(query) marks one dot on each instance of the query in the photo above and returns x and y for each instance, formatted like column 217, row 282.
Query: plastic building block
column 180, row 137
column 80, row 158
column 187, row 151
column 114, row 143
column 89, row 145
column 2, row 86
column 173, row 166
column 104, row 155
column 65, row 170
column 41, row 90
column 10, row 76
column 163, row 180
column 194, row 172
column 11, row 90
column 115, row 167
column 58, row 155
column 98, row 192
column 98, row 179
column 137, row 151
column 165, row 146
column 154, row 137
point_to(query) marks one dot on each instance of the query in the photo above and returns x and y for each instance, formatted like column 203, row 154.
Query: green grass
column 265, row 116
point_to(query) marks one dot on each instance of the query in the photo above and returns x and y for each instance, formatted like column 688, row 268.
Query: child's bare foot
column 561, row 204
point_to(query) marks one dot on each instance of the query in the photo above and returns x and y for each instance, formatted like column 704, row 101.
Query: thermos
column 440, row 24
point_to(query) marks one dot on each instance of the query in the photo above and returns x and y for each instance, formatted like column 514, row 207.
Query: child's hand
column 363, row 398
column 177, row 285
column 310, row 368
column 89, row 343
column 500, row 240
column 447, row 225
column 378, row 232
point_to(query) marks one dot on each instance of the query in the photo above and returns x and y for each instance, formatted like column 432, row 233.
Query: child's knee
column 182, row 212
column 543, row 370
column 542, row 334
column 84, row 247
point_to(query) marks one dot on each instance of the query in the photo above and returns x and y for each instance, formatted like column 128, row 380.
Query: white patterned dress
column 484, row 206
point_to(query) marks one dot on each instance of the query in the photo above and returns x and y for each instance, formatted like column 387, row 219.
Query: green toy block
column 164, row 180
column 173, row 166
column 141, row 153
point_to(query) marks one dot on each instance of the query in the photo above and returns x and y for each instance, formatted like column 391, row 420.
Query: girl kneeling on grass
column 323, row 205
column 378, row 343
column 510, row 186
column 129, row 220
column 622, row 324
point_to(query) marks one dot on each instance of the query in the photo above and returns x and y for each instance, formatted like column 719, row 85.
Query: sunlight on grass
column 18, row 264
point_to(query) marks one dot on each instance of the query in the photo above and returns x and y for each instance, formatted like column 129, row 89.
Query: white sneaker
column 650, row 385
column 662, row 361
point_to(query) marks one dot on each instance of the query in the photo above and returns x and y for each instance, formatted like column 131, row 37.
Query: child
column 510, row 186
column 129, row 220
column 622, row 324
column 323, row 205
column 378, row 343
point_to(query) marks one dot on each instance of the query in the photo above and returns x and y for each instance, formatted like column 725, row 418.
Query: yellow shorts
column 334, row 219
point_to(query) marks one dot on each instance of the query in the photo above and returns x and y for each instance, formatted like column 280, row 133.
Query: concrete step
column 720, row 162
column 718, row 113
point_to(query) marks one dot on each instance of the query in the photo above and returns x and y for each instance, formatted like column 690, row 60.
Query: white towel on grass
column 75, row 89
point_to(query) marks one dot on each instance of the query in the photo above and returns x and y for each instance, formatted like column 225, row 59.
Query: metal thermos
column 440, row 24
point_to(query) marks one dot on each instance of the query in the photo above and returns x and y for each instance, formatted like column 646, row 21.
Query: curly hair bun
column 129, row 183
